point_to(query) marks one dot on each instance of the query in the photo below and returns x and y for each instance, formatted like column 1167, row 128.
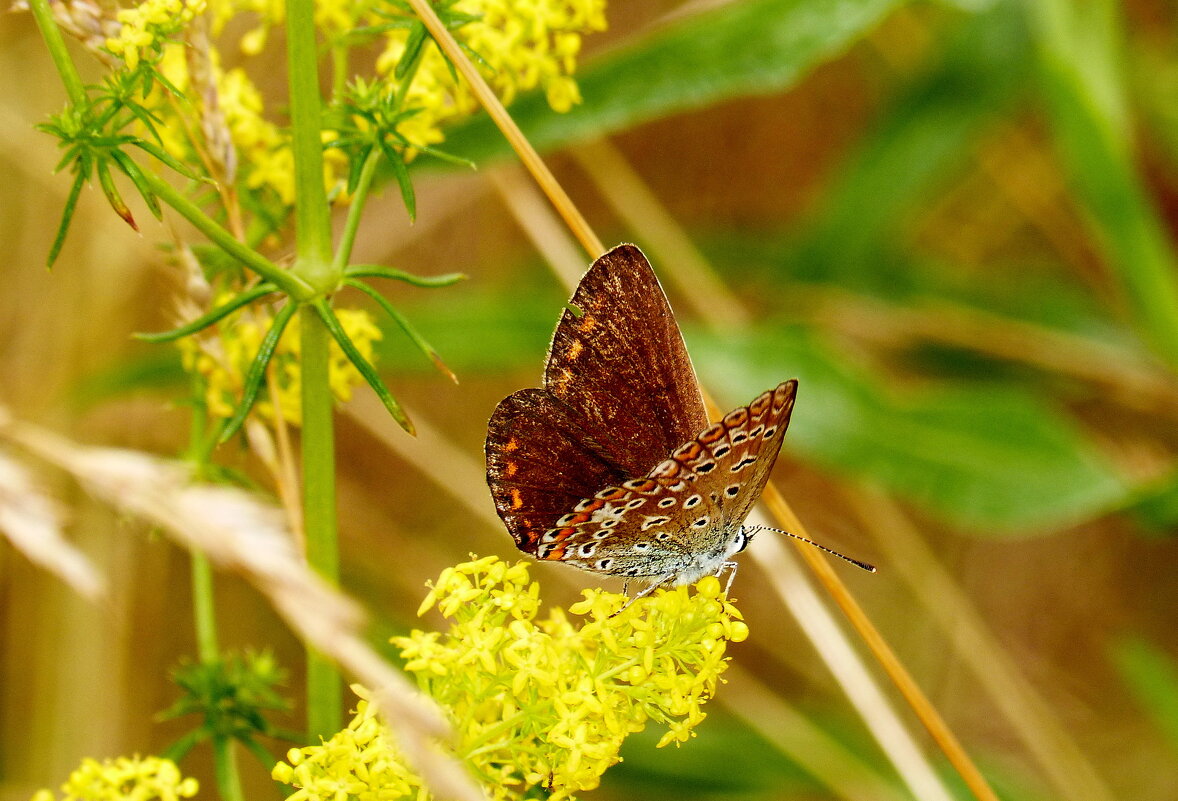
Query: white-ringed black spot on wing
column 692, row 502
column 610, row 523
column 756, row 432
column 743, row 463
column 601, row 534
column 662, row 536
column 583, row 506
column 631, row 572
column 634, row 504
column 680, row 486
column 642, row 546
column 544, row 550
column 634, row 484
column 705, row 468
column 548, row 536
column 666, row 503
column 721, row 450
column 701, row 523
column 603, row 564
column 715, row 497
column 587, row 549
column 650, row 522
column 566, row 520
column 732, row 490
column 739, row 437
column 770, row 431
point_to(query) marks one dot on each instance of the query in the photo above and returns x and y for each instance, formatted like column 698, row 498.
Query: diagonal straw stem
column 891, row 664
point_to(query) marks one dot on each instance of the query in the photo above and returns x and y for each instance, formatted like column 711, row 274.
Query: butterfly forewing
column 620, row 364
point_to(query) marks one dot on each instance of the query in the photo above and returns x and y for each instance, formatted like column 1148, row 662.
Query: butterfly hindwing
column 682, row 518
column 540, row 462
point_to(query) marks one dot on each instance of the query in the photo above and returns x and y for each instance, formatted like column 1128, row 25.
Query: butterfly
column 613, row 466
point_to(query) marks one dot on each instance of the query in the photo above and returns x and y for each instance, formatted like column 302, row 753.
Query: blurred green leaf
column 724, row 760
column 1157, row 508
column 1152, row 676
column 994, row 460
column 746, row 48
column 1080, row 64
column 926, row 132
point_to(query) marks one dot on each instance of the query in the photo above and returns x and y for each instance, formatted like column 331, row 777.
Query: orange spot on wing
column 516, row 500
column 575, row 348
column 512, row 445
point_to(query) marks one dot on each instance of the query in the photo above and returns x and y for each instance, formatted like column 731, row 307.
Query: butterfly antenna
column 863, row 565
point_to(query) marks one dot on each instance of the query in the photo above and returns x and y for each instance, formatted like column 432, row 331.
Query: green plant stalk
column 58, row 52
column 203, row 608
column 312, row 216
column 324, row 688
column 288, row 281
column 313, row 263
column 359, row 199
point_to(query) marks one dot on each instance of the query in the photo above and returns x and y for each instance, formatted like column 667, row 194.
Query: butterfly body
column 613, row 467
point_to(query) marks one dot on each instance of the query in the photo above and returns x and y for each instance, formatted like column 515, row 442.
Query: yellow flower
column 523, row 44
column 124, row 779
column 224, row 356
column 145, row 29
column 540, row 701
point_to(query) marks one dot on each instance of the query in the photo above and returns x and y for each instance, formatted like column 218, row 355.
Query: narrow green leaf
column 379, row 271
column 106, row 181
column 132, row 171
column 67, row 214
column 406, row 326
column 205, row 320
column 363, row 365
column 403, row 180
column 257, row 371
column 162, row 155
column 413, row 43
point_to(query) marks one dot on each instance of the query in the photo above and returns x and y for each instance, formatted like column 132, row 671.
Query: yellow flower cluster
column 524, row 44
column 124, row 779
column 224, row 358
column 146, row 28
column 538, row 703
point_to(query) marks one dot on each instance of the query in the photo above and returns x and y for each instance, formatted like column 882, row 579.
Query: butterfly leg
column 662, row 580
column 731, row 576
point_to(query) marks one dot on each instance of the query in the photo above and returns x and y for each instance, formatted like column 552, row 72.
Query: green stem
column 225, row 769
column 324, row 688
column 58, row 52
column 312, row 217
column 287, row 281
column 313, row 264
column 352, row 225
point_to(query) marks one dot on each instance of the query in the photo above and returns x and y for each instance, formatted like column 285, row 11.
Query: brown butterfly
column 613, row 466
